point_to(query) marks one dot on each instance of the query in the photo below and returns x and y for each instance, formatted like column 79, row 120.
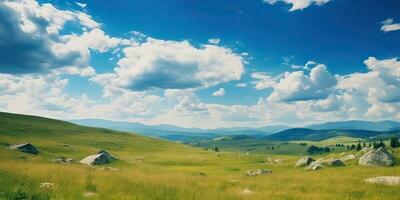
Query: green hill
column 150, row 168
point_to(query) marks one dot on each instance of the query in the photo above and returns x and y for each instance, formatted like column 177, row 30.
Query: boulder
column 258, row 172
column 26, row 148
column 304, row 161
column 385, row 180
column 336, row 163
column 314, row 166
column 376, row 157
column 102, row 157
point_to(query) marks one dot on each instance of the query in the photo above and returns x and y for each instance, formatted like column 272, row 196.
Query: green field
column 155, row 169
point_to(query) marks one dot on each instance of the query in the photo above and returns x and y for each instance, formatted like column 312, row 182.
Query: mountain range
column 314, row 131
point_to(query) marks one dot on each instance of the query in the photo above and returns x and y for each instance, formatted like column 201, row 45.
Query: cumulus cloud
column 174, row 65
column 389, row 25
column 298, row 4
column 185, row 103
column 381, row 83
column 263, row 80
column 219, row 92
column 297, row 86
column 32, row 41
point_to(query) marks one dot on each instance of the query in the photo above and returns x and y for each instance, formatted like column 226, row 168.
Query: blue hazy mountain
column 172, row 132
column 357, row 125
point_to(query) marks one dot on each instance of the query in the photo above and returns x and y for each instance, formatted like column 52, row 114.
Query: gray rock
column 102, row 157
column 258, row 172
column 314, row 166
column 26, row 148
column 376, row 157
column 336, row 163
column 304, row 161
column 385, row 180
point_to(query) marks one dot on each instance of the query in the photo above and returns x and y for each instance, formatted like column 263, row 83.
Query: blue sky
column 202, row 63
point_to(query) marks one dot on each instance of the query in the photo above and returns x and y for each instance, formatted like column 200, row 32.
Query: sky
column 205, row 63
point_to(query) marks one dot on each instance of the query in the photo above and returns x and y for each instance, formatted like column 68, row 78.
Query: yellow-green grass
column 154, row 169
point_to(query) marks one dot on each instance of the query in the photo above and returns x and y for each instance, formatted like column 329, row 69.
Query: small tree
column 394, row 142
column 353, row 146
column 358, row 147
column 216, row 149
column 364, row 145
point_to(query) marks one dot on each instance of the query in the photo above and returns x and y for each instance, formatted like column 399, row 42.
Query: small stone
column 258, row 172
column 336, row 163
column 46, row 185
column 247, row 191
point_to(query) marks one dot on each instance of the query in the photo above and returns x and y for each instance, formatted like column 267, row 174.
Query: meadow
column 150, row 168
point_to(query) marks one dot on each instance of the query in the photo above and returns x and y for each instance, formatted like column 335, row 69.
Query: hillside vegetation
column 155, row 169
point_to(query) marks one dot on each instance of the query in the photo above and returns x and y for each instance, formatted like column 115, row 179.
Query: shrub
column 394, row 142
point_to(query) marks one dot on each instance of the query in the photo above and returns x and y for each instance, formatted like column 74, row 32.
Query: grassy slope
column 155, row 169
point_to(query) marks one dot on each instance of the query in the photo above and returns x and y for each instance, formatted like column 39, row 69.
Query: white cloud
column 36, row 29
column 214, row 41
column 241, row 85
column 296, row 86
column 97, row 40
column 299, row 4
column 310, row 64
column 381, row 83
column 389, row 25
column 174, row 65
column 219, row 92
column 82, row 5
column 263, row 80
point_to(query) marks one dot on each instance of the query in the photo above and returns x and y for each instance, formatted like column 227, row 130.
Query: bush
column 394, row 142
column 314, row 149
column 358, row 148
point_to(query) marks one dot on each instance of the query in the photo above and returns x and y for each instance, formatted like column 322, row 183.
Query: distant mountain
column 266, row 130
column 149, row 130
column 177, row 133
column 318, row 135
column 357, row 125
